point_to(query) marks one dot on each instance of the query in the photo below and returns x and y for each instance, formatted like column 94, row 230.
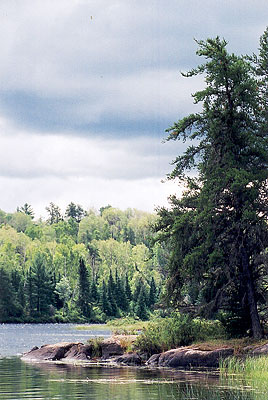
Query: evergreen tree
column 152, row 293
column 106, row 308
column 9, row 308
column 137, row 290
column 218, row 230
column 29, row 292
column 111, row 293
column 75, row 212
column 121, row 299
column 26, row 209
column 84, row 298
column 54, row 213
column 94, row 292
column 128, row 289
column 140, row 308
column 41, row 285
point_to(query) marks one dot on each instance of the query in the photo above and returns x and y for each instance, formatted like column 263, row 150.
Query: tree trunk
column 255, row 320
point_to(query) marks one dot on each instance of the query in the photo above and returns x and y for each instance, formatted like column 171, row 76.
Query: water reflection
column 20, row 380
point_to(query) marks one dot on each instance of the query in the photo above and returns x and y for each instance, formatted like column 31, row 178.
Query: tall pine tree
column 218, row 230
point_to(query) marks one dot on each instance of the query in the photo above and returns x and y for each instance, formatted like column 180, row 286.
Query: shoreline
column 113, row 350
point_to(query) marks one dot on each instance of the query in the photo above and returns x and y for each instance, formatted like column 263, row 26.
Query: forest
column 205, row 255
column 78, row 266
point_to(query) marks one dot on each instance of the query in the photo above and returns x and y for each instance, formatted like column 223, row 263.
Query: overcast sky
column 88, row 87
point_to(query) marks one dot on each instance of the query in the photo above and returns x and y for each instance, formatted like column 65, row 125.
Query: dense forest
column 78, row 266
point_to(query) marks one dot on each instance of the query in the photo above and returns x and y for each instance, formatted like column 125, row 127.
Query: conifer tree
column 84, row 297
column 8, row 306
column 121, row 299
column 128, row 289
column 94, row 292
column 41, row 285
column 152, row 293
column 111, row 293
column 106, row 308
column 140, row 308
column 218, row 230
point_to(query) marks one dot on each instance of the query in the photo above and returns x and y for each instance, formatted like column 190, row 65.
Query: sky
column 88, row 87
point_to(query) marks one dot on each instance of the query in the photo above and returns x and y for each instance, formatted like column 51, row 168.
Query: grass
column 120, row 326
column 127, row 326
column 93, row 327
column 248, row 366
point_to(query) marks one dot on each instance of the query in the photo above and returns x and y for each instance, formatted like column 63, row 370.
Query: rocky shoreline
column 112, row 350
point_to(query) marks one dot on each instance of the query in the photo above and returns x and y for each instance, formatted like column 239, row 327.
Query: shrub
column 178, row 330
column 96, row 346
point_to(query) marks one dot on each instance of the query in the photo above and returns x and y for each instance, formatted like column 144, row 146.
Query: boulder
column 111, row 347
column 186, row 357
column 51, row 352
column 260, row 350
column 129, row 359
column 153, row 360
column 79, row 352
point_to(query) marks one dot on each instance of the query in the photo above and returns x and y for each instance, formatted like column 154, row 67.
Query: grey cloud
column 63, row 70
column 31, row 157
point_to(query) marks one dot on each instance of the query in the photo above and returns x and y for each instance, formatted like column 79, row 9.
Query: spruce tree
column 41, row 285
column 152, row 293
column 84, row 298
column 128, row 289
column 111, row 293
column 106, row 308
column 218, row 230
column 121, row 299
column 9, row 308
column 140, row 308
column 94, row 292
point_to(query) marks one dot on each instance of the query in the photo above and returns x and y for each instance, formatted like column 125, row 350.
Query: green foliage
column 84, row 297
column 96, row 346
column 10, row 309
column 46, row 279
column 40, row 286
column 217, row 231
column 177, row 330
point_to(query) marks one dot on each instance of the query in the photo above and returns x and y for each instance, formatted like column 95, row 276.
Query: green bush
column 96, row 346
column 177, row 330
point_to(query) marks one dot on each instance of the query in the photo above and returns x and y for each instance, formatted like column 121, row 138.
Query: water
column 51, row 381
column 16, row 339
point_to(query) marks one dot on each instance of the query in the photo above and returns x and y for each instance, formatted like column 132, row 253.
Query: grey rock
column 129, row 359
column 186, row 357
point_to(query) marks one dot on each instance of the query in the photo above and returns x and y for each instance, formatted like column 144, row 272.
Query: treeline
column 78, row 266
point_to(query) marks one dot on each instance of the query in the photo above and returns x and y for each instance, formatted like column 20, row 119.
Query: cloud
column 34, row 156
column 110, row 67
column 88, row 87
column 144, row 194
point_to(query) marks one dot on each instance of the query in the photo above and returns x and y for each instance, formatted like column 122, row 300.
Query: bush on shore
column 177, row 330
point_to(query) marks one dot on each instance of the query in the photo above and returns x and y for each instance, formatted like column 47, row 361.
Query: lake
column 24, row 380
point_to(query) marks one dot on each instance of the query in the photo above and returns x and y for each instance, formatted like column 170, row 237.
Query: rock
column 111, row 347
column 261, row 350
column 153, row 360
column 129, row 359
column 79, row 352
column 186, row 357
column 50, row 351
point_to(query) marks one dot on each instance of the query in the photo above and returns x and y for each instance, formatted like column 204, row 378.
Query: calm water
column 23, row 380
column 16, row 339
